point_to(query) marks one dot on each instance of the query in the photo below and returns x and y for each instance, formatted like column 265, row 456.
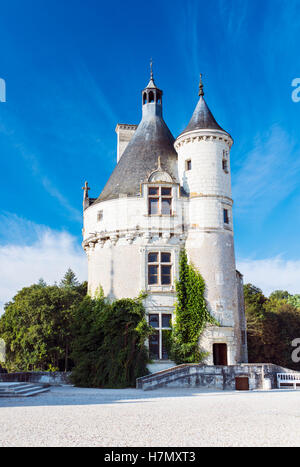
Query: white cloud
column 48, row 254
column 271, row 274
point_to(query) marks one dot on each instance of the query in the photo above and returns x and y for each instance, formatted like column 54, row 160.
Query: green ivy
column 191, row 314
column 109, row 342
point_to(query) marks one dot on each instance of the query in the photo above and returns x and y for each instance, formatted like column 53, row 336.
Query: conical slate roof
column 202, row 118
column 151, row 140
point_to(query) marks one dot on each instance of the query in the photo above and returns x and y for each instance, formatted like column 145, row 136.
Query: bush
column 109, row 345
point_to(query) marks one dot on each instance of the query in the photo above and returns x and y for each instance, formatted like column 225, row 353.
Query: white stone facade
column 119, row 234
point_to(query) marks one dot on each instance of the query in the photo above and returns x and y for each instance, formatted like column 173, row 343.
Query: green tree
column 294, row 300
column 36, row 327
column 69, row 280
column 279, row 295
column 109, row 346
column 272, row 324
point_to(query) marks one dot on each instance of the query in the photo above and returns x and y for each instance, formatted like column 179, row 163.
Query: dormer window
column 160, row 200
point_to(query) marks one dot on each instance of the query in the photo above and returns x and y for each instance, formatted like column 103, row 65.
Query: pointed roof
column 202, row 118
column 152, row 140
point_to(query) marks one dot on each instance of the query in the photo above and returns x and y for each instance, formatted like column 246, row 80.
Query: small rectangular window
column 188, row 165
column 153, row 191
column 154, row 320
column 226, row 216
column 153, row 205
column 154, row 346
column 165, row 275
column 165, row 345
column 153, row 274
column 166, row 321
column 99, row 216
column 153, row 258
column 166, row 205
column 165, row 191
column 165, row 257
column 225, row 165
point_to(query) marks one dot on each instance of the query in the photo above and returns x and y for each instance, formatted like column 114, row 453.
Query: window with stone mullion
column 160, row 200
column 159, row 268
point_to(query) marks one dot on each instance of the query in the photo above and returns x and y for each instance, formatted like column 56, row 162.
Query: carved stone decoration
column 129, row 238
column 114, row 239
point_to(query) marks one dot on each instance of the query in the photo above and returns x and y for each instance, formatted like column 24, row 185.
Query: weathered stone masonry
column 191, row 207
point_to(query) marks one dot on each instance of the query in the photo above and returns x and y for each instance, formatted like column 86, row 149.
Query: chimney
column 125, row 132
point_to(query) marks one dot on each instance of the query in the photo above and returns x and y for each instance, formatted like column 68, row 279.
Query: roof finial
column 158, row 163
column 151, row 71
column 201, row 92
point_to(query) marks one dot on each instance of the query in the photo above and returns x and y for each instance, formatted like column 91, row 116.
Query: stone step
column 21, row 389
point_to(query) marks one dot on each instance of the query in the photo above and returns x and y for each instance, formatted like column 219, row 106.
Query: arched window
column 151, row 96
column 145, row 98
column 158, row 98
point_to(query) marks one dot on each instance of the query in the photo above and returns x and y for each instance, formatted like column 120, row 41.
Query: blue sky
column 74, row 69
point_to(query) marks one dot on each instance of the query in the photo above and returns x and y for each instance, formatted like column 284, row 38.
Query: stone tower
column 204, row 172
column 157, row 201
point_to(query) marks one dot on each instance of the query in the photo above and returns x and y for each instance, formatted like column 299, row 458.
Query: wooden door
column 220, row 354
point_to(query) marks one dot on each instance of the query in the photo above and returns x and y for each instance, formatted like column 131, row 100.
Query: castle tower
column 155, row 203
column 132, row 232
column 204, row 172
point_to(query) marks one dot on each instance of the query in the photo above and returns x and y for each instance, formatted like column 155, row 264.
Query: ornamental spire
column 201, row 92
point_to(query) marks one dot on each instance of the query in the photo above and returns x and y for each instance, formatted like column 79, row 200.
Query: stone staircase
column 227, row 377
column 21, row 389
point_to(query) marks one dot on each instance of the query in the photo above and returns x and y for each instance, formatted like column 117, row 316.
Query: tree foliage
column 109, row 343
column 191, row 314
column 272, row 324
column 36, row 326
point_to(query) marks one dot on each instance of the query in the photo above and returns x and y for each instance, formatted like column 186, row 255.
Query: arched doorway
column 220, row 354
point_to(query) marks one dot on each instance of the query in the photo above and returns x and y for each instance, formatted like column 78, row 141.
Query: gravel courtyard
column 68, row 416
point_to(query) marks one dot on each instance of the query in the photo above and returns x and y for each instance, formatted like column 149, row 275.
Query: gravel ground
column 68, row 416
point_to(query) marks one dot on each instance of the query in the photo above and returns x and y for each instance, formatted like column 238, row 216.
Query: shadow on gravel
column 68, row 395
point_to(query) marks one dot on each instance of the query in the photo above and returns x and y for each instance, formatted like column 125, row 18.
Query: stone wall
column 54, row 379
column 261, row 376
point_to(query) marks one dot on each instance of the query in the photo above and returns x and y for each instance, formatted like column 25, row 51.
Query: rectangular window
column 225, row 165
column 153, row 258
column 153, row 205
column 188, row 165
column 159, row 268
column 166, row 321
column 153, row 274
column 154, row 320
column 164, row 346
column 99, row 216
column 153, row 191
column 154, row 346
column 160, row 201
column 226, row 216
column 159, row 341
column 165, row 191
column 165, row 257
column 166, row 205
column 165, row 275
